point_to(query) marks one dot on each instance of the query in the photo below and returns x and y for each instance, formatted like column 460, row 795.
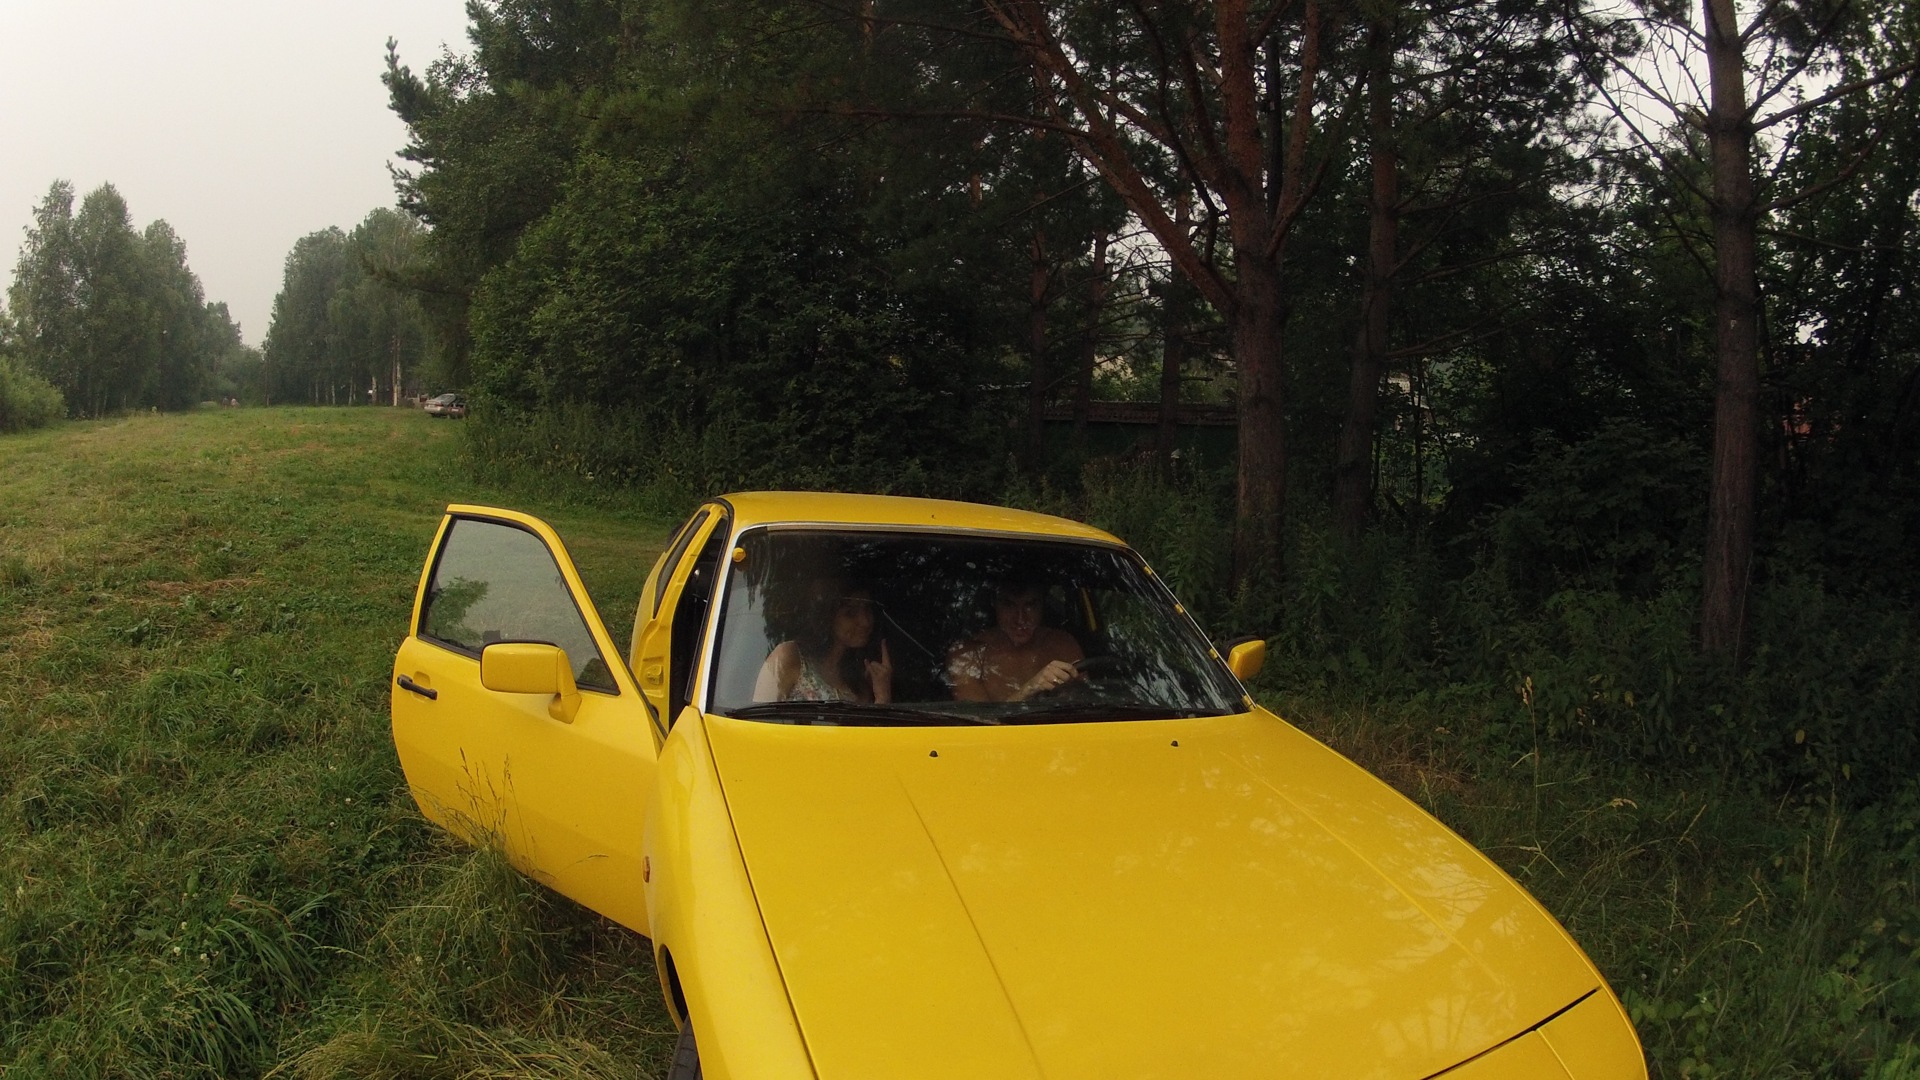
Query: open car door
column 672, row 619
column 555, row 762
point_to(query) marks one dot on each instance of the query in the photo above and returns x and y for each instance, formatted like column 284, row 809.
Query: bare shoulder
column 784, row 659
column 972, row 645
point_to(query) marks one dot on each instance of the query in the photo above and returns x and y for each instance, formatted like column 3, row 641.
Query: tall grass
column 209, row 863
column 1748, row 936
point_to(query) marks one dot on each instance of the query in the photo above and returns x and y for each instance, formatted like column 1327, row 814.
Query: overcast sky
column 246, row 124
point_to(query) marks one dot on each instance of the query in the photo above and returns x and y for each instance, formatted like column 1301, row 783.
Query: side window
column 690, row 618
column 674, row 550
column 496, row 582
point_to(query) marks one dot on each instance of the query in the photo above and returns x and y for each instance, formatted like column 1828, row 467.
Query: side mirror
column 532, row 667
column 1246, row 656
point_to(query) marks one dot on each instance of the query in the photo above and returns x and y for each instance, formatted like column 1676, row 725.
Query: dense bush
column 1518, row 624
column 26, row 400
column 641, row 337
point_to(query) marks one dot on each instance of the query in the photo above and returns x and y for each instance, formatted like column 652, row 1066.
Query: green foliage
column 1568, row 626
column 681, row 320
column 346, row 328
column 27, row 401
column 113, row 318
column 1618, row 510
column 658, row 210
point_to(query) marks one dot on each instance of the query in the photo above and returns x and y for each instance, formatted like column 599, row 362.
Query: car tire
column 686, row 1060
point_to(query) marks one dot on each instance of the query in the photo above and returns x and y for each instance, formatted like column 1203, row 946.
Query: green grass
column 209, row 865
column 1749, row 936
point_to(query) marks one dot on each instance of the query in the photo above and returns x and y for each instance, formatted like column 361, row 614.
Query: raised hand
column 880, row 676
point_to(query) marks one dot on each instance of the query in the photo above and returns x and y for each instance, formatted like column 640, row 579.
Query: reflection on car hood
column 1218, row 897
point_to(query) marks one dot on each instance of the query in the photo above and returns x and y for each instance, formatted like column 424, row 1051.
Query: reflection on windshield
column 823, row 626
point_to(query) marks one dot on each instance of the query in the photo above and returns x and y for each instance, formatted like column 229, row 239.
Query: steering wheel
column 1103, row 666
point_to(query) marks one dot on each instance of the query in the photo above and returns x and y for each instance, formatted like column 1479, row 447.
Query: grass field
column 209, row 865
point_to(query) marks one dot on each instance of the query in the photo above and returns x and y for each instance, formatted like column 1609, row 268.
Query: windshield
column 857, row 627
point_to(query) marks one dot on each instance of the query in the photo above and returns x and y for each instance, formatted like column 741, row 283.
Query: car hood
column 1219, row 897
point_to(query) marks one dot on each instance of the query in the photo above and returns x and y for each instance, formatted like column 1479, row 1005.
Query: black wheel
column 686, row 1060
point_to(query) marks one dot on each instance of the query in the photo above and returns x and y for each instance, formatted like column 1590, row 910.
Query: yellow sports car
column 905, row 790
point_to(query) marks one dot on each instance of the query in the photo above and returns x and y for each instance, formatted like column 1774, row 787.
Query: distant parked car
column 452, row 406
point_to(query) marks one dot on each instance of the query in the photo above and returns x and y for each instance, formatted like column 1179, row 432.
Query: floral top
column 812, row 685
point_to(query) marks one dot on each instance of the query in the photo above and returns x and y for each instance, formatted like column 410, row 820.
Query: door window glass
column 675, row 549
column 690, row 618
column 496, row 582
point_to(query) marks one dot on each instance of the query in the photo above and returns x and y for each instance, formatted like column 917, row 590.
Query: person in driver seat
column 1019, row 655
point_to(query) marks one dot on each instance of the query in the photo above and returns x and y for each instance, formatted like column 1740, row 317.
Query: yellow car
column 910, row 789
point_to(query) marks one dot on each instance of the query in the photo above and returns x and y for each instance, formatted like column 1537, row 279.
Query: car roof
column 752, row 508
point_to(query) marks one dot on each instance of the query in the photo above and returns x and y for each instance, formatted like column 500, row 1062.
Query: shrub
column 1539, row 638
column 26, row 400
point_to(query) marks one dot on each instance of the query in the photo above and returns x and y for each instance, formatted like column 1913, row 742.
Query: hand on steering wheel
column 1055, row 675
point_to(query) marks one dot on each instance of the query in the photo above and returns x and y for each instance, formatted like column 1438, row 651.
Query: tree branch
column 1464, row 335
column 873, row 112
column 1754, row 25
column 1472, row 264
column 1272, row 19
column 1835, row 94
column 1841, row 177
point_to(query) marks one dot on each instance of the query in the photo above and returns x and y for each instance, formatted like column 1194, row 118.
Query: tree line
column 347, row 324
column 112, row 318
column 1423, row 247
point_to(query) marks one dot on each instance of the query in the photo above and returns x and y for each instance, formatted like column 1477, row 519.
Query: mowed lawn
column 209, row 864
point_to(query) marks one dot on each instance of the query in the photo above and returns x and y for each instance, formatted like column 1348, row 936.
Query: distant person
column 834, row 659
column 1019, row 655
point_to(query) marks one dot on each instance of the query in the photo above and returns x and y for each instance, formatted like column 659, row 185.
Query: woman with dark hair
column 833, row 658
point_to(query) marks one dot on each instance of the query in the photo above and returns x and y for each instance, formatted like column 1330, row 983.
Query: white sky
column 246, row 124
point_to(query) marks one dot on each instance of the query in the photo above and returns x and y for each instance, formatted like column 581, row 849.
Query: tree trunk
column 1263, row 192
column 1261, row 480
column 1175, row 309
column 1173, row 351
column 1353, row 480
column 1727, row 568
column 1037, row 279
column 1090, row 347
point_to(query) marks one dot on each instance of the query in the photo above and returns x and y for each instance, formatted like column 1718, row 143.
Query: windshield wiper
column 850, row 714
column 1091, row 712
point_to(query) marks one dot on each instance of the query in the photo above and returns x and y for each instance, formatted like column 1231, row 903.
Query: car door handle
column 407, row 683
